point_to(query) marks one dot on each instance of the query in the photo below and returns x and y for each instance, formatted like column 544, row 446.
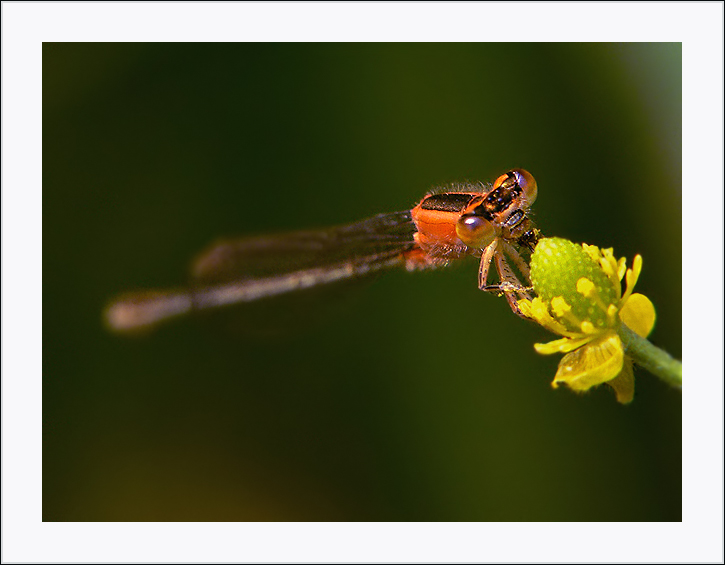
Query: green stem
column 658, row 362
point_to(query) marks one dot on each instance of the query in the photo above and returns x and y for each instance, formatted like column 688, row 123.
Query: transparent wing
column 364, row 242
column 248, row 269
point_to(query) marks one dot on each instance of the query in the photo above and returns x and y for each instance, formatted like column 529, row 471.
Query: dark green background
column 416, row 397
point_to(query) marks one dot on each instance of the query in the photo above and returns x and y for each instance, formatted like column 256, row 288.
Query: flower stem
column 658, row 362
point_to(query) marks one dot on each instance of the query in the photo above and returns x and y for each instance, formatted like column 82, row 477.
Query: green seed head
column 557, row 269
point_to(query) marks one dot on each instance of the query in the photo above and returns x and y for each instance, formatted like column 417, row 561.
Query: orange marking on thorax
column 435, row 227
column 438, row 227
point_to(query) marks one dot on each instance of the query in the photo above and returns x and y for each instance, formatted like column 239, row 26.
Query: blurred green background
column 416, row 397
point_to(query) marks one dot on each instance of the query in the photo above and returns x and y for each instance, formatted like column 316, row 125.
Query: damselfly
column 490, row 222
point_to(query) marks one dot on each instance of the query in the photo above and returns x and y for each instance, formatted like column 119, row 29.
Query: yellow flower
column 579, row 297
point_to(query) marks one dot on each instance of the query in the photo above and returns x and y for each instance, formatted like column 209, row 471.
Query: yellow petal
column 632, row 276
column 621, row 268
column 638, row 314
column 610, row 266
column 597, row 362
column 623, row 383
column 539, row 311
column 563, row 345
column 524, row 305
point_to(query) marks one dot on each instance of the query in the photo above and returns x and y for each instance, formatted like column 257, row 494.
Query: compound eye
column 521, row 178
column 527, row 183
column 475, row 231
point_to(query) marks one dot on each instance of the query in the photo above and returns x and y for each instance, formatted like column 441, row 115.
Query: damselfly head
column 501, row 212
column 518, row 181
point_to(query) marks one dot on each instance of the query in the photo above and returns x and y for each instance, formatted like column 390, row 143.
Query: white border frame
column 700, row 535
